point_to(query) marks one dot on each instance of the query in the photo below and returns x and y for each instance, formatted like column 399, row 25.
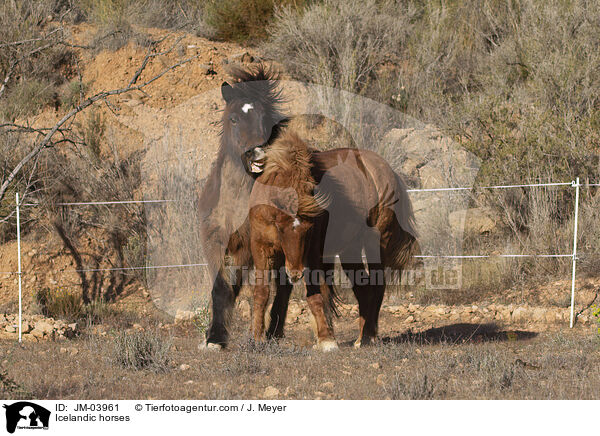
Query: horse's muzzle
column 255, row 158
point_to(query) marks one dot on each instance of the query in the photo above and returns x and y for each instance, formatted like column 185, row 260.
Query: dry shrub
column 515, row 83
column 34, row 61
column 336, row 43
column 142, row 350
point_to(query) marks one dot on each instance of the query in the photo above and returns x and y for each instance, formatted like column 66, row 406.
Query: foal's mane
column 289, row 161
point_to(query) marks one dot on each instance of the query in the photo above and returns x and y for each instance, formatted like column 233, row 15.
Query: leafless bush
column 96, row 237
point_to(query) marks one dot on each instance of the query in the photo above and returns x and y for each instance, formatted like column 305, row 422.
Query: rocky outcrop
column 36, row 327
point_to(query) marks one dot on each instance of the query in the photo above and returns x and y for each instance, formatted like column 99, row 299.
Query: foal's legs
column 280, row 305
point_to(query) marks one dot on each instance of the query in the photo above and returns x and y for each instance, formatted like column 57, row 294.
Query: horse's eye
column 233, row 118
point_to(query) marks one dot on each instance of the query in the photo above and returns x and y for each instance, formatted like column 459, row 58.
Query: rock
column 44, row 326
column 74, row 351
column 184, row 367
column 410, row 319
column 10, row 328
column 538, row 315
column 63, row 350
column 271, row 392
column 520, row 314
column 189, row 382
column 474, row 221
column 183, row 315
column 37, row 333
column 380, row 380
column 375, row 365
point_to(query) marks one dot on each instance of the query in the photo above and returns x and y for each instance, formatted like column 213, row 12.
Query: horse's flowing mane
column 259, row 83
column 288, row 162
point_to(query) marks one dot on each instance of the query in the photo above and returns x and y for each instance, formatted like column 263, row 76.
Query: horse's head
column 251, row 115
column 293, row 234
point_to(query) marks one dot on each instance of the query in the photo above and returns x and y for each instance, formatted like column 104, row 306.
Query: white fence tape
column 575, row 184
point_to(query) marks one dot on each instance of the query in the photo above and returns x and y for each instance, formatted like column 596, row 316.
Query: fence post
column 19, row 270
column 576, row 185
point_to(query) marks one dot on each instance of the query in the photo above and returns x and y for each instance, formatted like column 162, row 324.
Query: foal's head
column 251, row 114
column 284, row 207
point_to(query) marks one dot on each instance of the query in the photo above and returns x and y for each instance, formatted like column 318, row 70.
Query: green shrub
column 142, row 350
column 243, row 20
column 61, row 303
column 67, row 304
column 596, row 315
column 201, row 319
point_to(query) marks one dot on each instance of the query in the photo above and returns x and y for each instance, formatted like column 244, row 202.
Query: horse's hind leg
column 377, row 282
column 280, row 305
column 354, row 269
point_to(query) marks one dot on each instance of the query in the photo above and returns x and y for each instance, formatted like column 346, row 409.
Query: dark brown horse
column 250, row 119
column 285, row 218
column 370, row 222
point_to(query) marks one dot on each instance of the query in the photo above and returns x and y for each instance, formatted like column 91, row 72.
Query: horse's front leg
column 280, row 304
column 226, row 286
column 260, row 299
column 264, row 259
column 316, row 292
column 223, row 298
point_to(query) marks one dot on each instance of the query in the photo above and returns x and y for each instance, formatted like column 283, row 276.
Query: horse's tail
column 403, row 244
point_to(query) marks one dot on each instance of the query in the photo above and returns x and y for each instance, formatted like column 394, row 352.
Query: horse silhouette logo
column 24, row 414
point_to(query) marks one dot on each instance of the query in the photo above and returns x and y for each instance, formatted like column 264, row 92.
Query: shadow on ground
column 460, row 333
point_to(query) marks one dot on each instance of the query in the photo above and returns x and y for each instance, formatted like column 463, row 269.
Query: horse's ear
column 227, row 92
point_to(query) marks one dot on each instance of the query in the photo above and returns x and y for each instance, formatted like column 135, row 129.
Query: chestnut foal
column 286, row 218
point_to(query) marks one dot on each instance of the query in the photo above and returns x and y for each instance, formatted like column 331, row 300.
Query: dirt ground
column 447, row 360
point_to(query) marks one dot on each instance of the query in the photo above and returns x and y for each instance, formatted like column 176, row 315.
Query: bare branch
column 46, row 141
column 9, row 74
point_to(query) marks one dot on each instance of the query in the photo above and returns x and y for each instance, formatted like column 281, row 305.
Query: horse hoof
column 364, row 342
column 326, row 346
column 210, row 346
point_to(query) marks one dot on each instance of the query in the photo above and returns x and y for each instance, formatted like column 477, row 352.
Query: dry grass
column 428, row 366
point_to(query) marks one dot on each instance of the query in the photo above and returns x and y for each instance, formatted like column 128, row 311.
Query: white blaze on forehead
column 296, row 223
column 247, row 107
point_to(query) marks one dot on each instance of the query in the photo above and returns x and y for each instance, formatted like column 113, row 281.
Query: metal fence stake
column 19, row 271
column 576, row 185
